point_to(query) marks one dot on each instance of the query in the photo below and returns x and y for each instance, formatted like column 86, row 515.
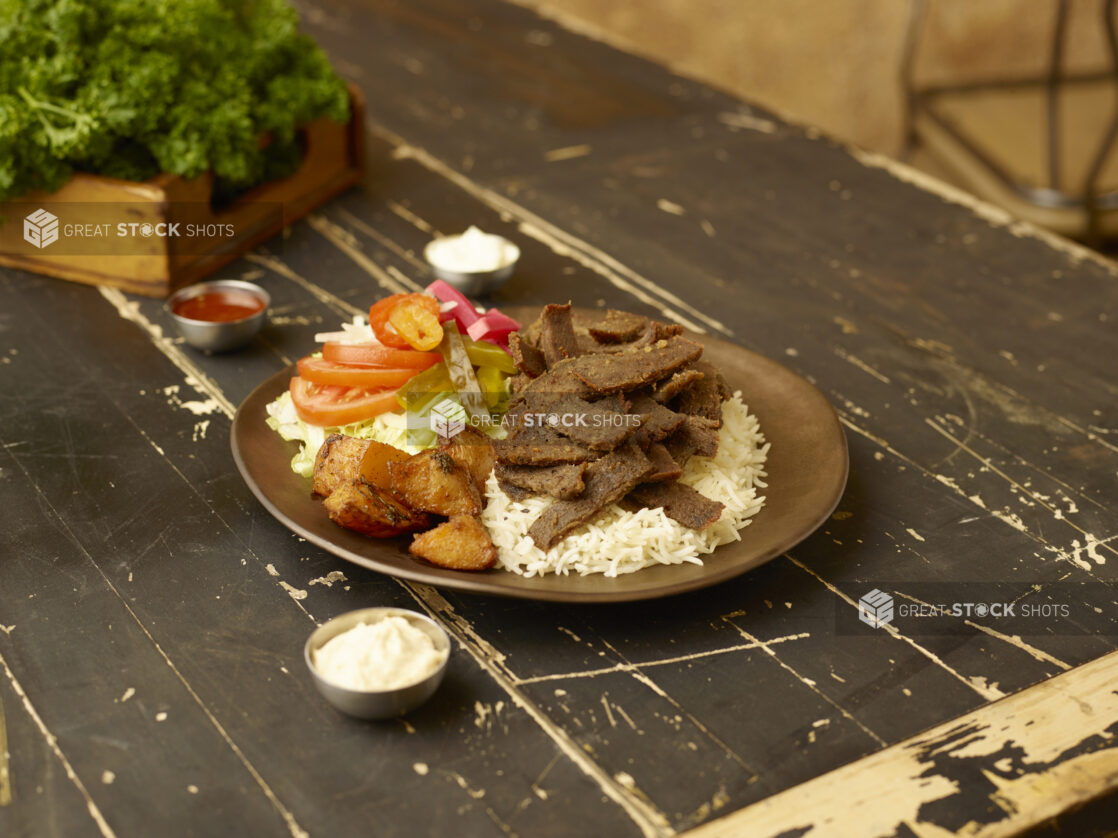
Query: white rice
column 620, row 542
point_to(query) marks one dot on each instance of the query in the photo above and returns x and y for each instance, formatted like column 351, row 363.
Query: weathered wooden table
column 153, row 613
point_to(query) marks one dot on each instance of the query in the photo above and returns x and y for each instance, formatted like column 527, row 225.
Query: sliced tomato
column 321, row 371
column 383, row 357
column 404, row 321
column 330, row 406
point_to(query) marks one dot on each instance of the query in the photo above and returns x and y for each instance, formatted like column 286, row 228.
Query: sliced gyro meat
column 664, row 466
column 608, row 480
column 702, row 397
column 633, row 368
column 663, row 331
column 559, row 379
column 657, row 422
column 557, row 334
column 618, row 327
column 526, row 355
column 695, row 436
column 536, row 446
column 668, row 388
column 514, row 493
column 680, row 502
column 563, row 481
column 596, row 425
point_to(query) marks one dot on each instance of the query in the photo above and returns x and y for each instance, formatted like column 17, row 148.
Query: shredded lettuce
column 389, row 428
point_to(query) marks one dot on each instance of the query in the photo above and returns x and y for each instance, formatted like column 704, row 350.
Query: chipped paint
column 1078, row 553
column 292, row 591
column 1061, row 748
column 293, row 320
column 569, row 152
column 198, row 408
column 476, row 794
column 741, row 119
column 860, row 364
column 5, row 761
column 670, row 207
column 329, row 579
column 853, row 408
column 1008, row 517
column 403, row 212
column 200, row 429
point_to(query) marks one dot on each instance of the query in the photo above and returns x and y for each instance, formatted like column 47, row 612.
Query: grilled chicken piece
column 360, row 506
column 338, row 462
column 433, row 481
column 473, row 450
column 462, row 543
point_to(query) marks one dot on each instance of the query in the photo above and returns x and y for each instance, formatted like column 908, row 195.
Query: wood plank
column 72, row 639
column 37, row 797
column 234, row 627
column 990, row 774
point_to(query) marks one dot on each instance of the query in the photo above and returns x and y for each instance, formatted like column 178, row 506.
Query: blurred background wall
column 837, row 63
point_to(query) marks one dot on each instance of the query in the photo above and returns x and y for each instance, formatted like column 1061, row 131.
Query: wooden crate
column 156, row 265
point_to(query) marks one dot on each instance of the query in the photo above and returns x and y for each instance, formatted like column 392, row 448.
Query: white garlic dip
column 373, row 657
column 472, row 252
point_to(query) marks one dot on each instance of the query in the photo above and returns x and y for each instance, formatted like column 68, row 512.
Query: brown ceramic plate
column 807, row 467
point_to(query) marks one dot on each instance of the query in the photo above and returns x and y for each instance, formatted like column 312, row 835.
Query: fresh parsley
column 131, row 88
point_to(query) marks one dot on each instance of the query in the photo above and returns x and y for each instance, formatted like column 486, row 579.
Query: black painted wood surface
column 152, row 614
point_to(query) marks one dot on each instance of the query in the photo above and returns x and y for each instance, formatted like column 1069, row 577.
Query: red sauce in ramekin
column 219, row 306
